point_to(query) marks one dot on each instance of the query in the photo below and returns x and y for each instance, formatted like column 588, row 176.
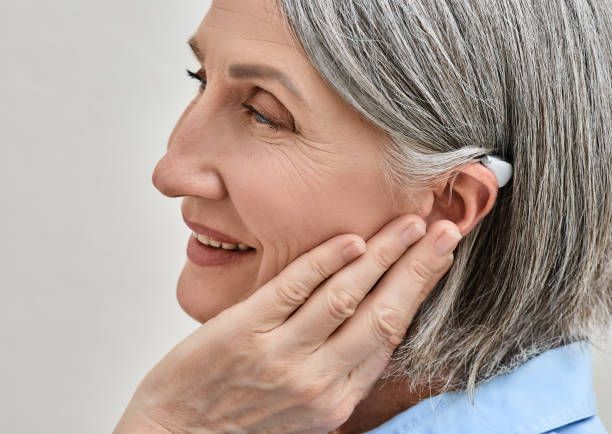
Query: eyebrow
column 250, row 70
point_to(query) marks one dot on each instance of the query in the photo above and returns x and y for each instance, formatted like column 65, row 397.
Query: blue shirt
column 551, row 393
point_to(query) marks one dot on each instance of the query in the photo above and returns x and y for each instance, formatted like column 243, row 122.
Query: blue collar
column 547, row 392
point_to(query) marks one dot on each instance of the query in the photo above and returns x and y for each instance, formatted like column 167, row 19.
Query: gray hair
column 449, row 81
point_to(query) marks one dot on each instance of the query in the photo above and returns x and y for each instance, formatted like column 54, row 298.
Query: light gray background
column 90, row 251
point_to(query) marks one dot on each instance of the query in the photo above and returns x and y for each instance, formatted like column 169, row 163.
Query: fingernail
column 413, row 233
column 447, row 242
column 352, row 250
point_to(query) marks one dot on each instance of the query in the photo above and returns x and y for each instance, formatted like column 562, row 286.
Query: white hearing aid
column 500, row 168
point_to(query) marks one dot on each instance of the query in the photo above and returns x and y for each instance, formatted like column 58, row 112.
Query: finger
column 383, row 317
column 338, row 297
column 274, row 302
column 369, row 370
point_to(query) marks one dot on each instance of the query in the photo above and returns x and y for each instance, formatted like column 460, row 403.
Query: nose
column 189, row 167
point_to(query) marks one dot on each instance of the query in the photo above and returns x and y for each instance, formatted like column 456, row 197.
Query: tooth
column 203, row 239
column 214, row 243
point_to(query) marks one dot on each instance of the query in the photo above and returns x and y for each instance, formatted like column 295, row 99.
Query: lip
column 206, row 256
column 212, row 233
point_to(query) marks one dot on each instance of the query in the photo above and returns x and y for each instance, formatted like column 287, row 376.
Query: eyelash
column 267, row 122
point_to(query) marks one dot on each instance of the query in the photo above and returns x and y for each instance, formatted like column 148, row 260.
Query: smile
column 203, row 239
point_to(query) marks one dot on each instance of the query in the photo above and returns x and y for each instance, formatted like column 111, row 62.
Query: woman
column 316, row 118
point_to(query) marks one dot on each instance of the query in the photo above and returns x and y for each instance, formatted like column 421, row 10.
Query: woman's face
column 282, row 191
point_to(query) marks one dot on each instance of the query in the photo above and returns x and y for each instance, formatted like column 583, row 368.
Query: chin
column 203, row 294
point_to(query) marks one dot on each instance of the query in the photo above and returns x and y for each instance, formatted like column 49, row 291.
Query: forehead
column 250, row 20
column 254, row 31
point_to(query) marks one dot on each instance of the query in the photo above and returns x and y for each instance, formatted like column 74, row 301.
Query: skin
column 282, row 191
column 299, row 354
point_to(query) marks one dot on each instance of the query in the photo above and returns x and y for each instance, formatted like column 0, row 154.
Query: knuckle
column 311, row 391
column 386, row 323
column 319, row 269
column 383, row 258
column 341, row 303
column 292, row 292
column 267, row 365
column 420, row 271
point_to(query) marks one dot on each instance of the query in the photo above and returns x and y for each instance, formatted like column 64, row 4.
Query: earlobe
column 466, row 198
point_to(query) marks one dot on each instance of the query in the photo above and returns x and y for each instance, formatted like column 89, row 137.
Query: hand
column 299, row 354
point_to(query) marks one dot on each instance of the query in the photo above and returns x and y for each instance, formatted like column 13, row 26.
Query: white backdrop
column 90, row 251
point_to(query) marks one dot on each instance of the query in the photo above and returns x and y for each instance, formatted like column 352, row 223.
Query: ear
column 465, row 199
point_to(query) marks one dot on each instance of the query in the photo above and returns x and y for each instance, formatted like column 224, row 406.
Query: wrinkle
column 206, row 24
column 298, row 178
column 322, row 166
column 216, row 27
column 267, row 40
column 325, row 161
column 214, row 6
column 333, row 158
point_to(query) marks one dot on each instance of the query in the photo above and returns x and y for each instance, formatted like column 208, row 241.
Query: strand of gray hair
column 448, row 82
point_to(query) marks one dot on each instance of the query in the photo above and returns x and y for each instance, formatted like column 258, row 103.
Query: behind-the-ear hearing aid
column 500, row 168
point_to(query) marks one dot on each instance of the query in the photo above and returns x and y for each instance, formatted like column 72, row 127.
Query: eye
column 259, row 118
column 196, row 76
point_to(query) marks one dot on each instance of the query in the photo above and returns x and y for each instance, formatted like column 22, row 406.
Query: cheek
column 291, row 203
column 278, row 209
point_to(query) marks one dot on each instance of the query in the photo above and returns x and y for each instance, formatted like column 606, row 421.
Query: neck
column 386, row 399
